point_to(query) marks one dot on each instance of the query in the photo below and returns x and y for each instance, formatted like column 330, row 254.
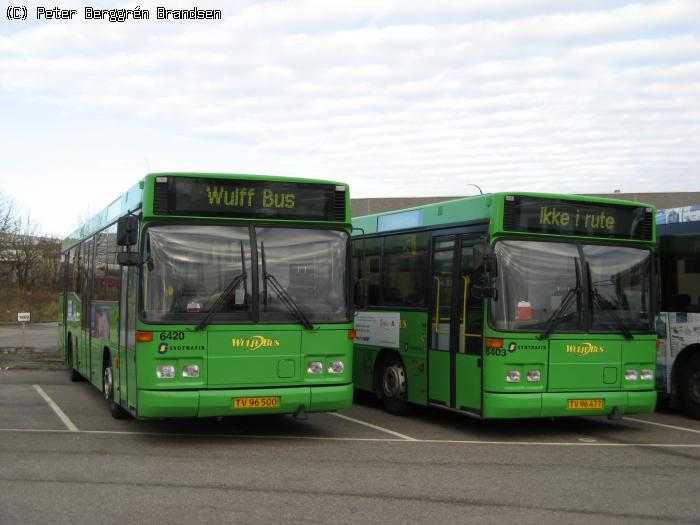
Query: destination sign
column 248, row 198
column 564, row 217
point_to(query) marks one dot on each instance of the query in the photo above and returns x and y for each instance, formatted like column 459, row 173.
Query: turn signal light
column 352, row 334
column 144, row 337
column 492, row 342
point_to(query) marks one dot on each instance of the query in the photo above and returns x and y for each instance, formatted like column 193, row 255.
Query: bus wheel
column 690, row 388
column 108, row 389
column 74, row 374
column 393, row 389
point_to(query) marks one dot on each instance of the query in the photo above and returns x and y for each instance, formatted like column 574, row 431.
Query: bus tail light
column 144, row 337
column 493, row 342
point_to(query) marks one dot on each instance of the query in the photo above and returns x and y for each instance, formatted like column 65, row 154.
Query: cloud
column 398, row 98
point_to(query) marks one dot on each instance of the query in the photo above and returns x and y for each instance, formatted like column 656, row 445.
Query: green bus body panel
column 439, row 374
column 468, row 388
column 271, row 359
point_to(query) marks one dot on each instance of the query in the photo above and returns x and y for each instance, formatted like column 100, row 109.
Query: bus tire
column 393, row 386
column 108, row 388
column 690, row 387
column 74, row 374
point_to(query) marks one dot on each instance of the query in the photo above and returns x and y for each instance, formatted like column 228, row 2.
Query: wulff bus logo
column 584, row 349
column 254, row 342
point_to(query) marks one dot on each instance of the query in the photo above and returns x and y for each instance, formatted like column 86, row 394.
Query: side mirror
column 127, row 230
column 128, row 259
column 485, row 290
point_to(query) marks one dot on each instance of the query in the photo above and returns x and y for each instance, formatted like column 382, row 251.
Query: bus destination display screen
column 209, row 197
column 564, row 217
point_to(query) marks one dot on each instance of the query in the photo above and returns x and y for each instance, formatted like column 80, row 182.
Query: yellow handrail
column 466, row 280
column 437, row 317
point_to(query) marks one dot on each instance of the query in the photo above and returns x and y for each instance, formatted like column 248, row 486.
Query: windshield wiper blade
column 558, row 314
column 221, row 300
column 287, row 301
column 284, row 296
column 611, row 309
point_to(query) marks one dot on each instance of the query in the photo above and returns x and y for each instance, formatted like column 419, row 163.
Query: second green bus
column 509, row 305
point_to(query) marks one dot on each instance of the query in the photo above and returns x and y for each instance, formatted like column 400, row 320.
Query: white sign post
column 24, row 318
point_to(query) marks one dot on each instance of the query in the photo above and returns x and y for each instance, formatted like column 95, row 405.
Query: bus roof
column 131, row 200
column 465, row 209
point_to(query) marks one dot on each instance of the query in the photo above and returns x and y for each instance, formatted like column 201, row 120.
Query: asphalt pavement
column 65, row 460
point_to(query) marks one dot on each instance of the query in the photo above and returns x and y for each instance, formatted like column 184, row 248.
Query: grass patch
column 42, row 304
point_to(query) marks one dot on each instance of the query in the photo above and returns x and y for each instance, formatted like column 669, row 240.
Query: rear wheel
column 690, row 387
column 74, row 374
column 108, row 388
column 393, row 386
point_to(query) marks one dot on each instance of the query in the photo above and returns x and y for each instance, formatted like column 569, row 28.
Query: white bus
column 678, row 324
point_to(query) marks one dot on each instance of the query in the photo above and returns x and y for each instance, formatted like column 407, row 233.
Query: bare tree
column 8, row 219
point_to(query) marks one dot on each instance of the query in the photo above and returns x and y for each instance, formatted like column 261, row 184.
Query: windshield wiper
column 285, row 298
column 611, row 308
column 558, row 314
column 221, row 300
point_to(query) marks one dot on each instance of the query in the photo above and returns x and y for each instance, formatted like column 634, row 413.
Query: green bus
column 210, row 295
column 508, row 305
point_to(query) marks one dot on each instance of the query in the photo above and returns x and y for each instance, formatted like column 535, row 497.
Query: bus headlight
column 165, row 372
column 647, row 374
column 314, row 367
column 336, row 367
column 631, row 375
column 534, row 376
column 513, row 376
column 190, row 371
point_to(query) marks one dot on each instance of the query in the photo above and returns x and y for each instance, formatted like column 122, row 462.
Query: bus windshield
column 540, row 286
column 188, row 268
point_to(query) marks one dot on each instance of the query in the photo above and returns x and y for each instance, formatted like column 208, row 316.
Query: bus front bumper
column 499, row 406
column 158, row 404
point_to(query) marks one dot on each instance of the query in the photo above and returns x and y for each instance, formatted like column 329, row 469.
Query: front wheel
column 393, row 386
column 108, row 388
column 690, row 387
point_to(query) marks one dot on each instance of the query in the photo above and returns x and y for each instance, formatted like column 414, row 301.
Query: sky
column 396, row 98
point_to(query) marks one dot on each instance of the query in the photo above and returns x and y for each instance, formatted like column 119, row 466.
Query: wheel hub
column 394, row 381
column 108, row 383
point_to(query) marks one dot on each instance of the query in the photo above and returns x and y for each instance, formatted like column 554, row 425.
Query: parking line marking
column 625, row 418
column 375, row 427
column 62, row 416
column 376, row 440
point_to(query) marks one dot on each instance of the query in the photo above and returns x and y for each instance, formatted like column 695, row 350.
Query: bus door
column 126, row 374
column 456, row 328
